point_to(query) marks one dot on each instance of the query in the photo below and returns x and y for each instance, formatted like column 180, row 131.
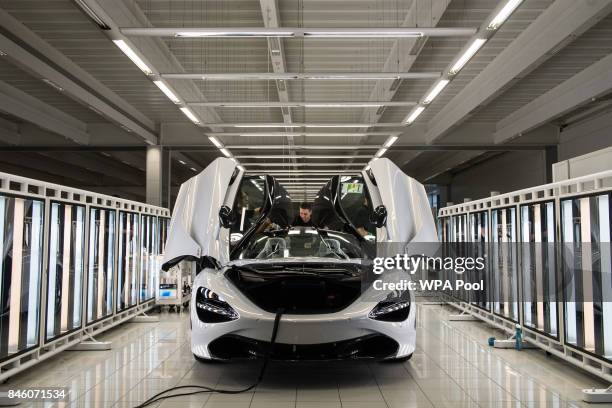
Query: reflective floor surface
column 452, row 367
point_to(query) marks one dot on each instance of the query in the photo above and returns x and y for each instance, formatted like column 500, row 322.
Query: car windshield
column 302, row 242
column 288, row 223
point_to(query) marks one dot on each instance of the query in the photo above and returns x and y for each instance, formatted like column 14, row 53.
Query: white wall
column 507, row 172
column 585, row 137
column 516, row 170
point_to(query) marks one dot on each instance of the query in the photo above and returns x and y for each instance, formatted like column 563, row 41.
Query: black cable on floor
column 203, row 389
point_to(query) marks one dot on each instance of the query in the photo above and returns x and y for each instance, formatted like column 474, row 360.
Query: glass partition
column 21, row 241
column 65, row 269
column 479, row 246
column 164, row 224
column 585, row 231
column 503, row 263
column 149, row 249
column 128, row 260
column 538, row 267
column 101, row 263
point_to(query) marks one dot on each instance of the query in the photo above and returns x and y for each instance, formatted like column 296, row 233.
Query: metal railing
column 69, row 267
column 550, row 247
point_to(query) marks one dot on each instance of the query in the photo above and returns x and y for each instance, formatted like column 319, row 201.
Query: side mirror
column 379, row 216
column 226, row 216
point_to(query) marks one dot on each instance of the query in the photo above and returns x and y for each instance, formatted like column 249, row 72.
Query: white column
column 154, row 175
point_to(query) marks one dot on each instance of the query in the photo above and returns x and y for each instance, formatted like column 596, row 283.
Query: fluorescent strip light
column 190, row 115
column 390, row 141
column 381, row 152
column 164, row 88
column 240, row 167
column 305, row 125
column 414, row 114
column 397, row 33
column 306, row 164
column 288, row 156
column 182, row 162
column 503, row 14
column 288, row 125
column 234, row 33
column 215, row 141
column 291, row 172
column 436, row 90
column 467, row 55
column 288, row 134
column 305, row 147
column 225, row 152
column 123, row 46
column 192, row 169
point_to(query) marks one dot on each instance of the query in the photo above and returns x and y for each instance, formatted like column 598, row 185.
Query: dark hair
column 306, row 206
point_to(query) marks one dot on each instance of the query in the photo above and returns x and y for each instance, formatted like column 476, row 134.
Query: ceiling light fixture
column 164, row 88
column 215, row 141
column 306, row 164
column 127, row 50
column 193, row 169
column 381, row 152
column 309, row 134
column 503, row 14
column 201, row 33
column 435, row 91
column 190, row 115
column 467, row 55
column 390, row 141
column 183, row 162
column 225, row 152
column 414, row 114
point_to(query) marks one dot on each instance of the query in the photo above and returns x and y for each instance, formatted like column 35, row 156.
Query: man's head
column 305, row 211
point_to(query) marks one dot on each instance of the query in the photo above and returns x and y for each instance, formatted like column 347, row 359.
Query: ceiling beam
column 119, row 12
column 306, row 125
column 321, row 104
column 42, row 69
column 268, row 76
column 30, row 38
column 588, row 84
column 290, row 32
column 30, row 109
column 557, row 26
column 405, row 51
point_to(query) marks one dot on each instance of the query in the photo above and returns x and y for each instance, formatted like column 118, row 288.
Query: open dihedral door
column 195, row 229
column 409, row 217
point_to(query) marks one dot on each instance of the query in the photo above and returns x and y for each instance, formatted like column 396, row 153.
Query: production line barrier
column 549, row 265
column 73, row 263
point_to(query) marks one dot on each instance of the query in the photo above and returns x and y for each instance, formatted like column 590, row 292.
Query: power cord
column 203, row 389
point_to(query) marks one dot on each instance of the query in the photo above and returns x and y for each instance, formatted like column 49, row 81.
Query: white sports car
column 252, row 266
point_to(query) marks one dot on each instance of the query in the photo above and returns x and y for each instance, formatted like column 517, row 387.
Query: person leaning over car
column 304, row 218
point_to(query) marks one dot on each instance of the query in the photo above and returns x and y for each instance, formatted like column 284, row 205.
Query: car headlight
column 211, row 308
column 395, row 308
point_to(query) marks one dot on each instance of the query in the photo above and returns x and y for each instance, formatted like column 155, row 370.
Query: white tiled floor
column 452, row 367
